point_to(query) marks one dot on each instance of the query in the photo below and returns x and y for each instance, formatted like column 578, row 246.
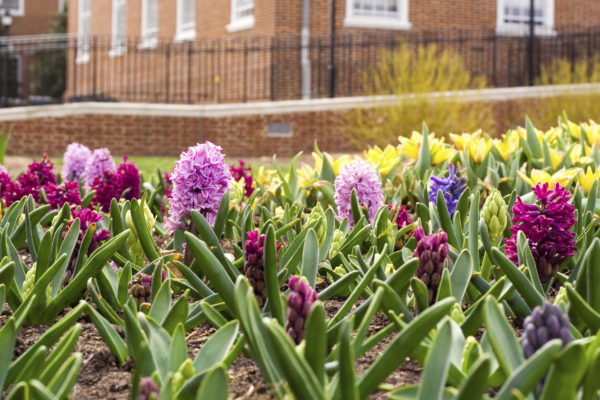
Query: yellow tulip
column 306, row 175
column 556, row 157
column 587, row 179
column 439, row 150
column 509, row 144
column 384, row 160
column 562, row 177
column 477, row 144
column 269, row 178
column 335, row 164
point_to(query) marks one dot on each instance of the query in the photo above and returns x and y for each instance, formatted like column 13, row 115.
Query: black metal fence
column 56, row 68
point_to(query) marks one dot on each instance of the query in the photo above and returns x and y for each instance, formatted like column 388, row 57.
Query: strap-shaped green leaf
column 271, row 280
column 502, row 338
column 214, row 385
column 436, row 365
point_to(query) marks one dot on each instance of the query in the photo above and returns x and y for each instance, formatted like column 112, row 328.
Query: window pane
column 188, row 14
column 243, row 8
column 376, row 8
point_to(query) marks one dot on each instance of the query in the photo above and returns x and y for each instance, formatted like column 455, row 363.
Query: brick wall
column 242, row 129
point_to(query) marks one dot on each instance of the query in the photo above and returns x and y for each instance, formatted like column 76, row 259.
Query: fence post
column 272, row 77
column 331, row 66
column 94, row 67
column 167, row 62
column 245, row 83
column 531, row 41
column 189, row 81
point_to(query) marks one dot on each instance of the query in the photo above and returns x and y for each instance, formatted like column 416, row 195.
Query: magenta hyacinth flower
column 74, row 161
column 432, row 250
column 399, row 214
column 59, row 195
column 243, row 171
column 98, row 162
column 546, row 225
column 451, row 187
column 200, row 179
column 9, row 190
column 148, row 389
column 360, row 176
column 300, row 300
column 129, row 177
column 107, row 187
column 38, row 175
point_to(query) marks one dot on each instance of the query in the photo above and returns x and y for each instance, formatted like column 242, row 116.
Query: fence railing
column 57, row 68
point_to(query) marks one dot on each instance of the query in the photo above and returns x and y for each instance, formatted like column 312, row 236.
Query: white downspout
column 304, row 56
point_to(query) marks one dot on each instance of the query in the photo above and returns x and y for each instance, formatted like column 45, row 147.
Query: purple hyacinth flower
column 148, row 389
column 254, row 268
column 98, row 162
column 74, row 161
column 546, row 225
column 432, row 250
column 361, row 177
column 451, row 187
column 300, row 300
column 107, row 187
column 200, row 179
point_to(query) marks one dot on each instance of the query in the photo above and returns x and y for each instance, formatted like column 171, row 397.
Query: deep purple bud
column 545, row 323
column 140, row 287
column 399, row 215
column 148, row 389
column 300, row 300
column 432, row 251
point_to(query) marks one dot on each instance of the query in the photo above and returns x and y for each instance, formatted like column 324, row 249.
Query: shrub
column 415, row 71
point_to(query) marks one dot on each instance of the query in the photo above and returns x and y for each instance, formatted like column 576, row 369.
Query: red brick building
column 29, row 17
column 195, row 51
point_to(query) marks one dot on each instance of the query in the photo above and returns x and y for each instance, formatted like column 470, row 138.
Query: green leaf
column 66, row 376
column 316, row 340
column 529, row 373
column 109, row 335
column 162, row 301
column 271, row 281
column 310, row 258
column 461, row 274
column 67, row 247
column 216, row 347
column 589, row 316
column 177, row 349
column 8, row 337
column 424, row 159
column 143, row 234
column 402, row 345
column 502, row 338
column 346, row 362
column 214, row 385
column 525, row 288
column 437, row 365
column 445, row 220
column 473, row 238
column 476, row 383
column 212, row 268
column 566, row 373
column 532, row 139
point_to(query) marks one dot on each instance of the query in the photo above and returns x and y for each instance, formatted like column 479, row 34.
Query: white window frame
column 240, row 23
column 18, row 12
column 399, row 22
column 522, row 29
column 61, row 5
column 184, row 33
column 118, row 45
column 83, row 41
column 149, row 35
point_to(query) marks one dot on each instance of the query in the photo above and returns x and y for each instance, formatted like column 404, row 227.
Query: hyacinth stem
column 188, row 256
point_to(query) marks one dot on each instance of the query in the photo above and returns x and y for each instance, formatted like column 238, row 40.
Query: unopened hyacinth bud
column 336, row 242
column 29, row 281
column 254, row 268
column 148, row 389
column 300, row 300
column 545, row 323
column 432, row 251
column 140, row 287
column 494, row 213
column 562, row 299
column 315, row 214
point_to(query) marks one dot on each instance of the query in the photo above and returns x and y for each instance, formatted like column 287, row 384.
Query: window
column 16, row 7
column 149, row 23
column 384, row 14
column 83, row 31
column 119, row 28
column 242, row 15
column 513, row 17
column 61, row 5
column 186, row 20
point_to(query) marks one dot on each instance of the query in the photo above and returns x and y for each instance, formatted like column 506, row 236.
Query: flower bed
column 430, row 269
